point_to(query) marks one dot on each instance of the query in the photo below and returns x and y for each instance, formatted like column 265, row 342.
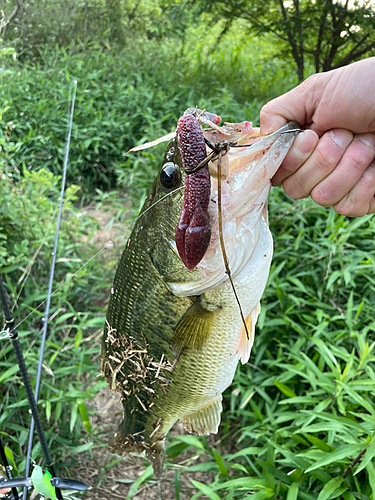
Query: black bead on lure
column 193, row 231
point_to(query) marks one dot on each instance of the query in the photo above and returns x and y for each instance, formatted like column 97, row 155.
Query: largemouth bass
column 173, row 337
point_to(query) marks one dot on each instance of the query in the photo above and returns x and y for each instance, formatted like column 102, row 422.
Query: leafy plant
column 27, row 226
column 123, row 98
column 299, row 418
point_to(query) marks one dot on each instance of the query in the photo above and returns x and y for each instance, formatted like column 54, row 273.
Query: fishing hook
column 222, row 148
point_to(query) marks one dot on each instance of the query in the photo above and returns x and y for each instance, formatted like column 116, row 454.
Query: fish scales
column 173, row 337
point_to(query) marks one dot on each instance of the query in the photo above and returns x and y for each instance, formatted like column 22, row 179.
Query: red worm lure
column 193, row 231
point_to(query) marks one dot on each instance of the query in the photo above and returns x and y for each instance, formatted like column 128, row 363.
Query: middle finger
column 325, row 157
column 349, row 170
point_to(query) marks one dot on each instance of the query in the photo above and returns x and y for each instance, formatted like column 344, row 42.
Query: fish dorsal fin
column 206, row 420
column 245, row 344
column 194, row 327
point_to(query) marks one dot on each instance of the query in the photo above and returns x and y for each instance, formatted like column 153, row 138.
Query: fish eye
column 170, row 176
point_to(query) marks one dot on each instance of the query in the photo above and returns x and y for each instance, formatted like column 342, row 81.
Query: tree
column 324, row 33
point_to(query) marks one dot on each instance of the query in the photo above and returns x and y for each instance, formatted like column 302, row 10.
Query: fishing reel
column 41, row 480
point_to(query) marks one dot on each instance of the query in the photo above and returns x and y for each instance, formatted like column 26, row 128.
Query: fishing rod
column 41, row 479
column 44, row 484
column 13, row 336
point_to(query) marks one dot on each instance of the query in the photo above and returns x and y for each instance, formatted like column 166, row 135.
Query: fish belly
column 201, row 375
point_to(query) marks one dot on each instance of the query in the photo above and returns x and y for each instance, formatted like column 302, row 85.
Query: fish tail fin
column 155, row 455
column 123, row 444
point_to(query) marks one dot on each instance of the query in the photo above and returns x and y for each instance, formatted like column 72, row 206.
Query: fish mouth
column 245, row 184
column 251, row 168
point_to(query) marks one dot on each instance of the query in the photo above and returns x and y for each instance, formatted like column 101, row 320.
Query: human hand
column 333, row 159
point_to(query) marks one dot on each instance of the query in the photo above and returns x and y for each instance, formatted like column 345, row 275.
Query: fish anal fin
column 194, row 328
column 245, row 344
column 206, row 420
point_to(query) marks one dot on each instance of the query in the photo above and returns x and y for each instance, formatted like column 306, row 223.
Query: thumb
column 297, row 105
column 271, row 119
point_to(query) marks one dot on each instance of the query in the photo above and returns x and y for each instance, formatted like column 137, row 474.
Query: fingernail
column 341, row 137
column 267, row 130
column 305, row 143
column 368, row 140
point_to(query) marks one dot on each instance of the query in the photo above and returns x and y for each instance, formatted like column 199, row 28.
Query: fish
column 173, row 336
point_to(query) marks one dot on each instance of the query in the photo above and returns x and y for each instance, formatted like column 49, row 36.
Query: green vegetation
column 311, row 33
column 299, row 420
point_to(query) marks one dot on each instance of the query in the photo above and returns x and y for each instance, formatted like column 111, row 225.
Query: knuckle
column 266, row 109
column 350, row 210
column 321, row 196
column 368, row 180
column 294, row 189
column 324, row 158
column 357, row 160
column 311, row 80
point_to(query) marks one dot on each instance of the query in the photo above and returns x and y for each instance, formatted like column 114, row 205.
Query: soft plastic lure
column 193, row 231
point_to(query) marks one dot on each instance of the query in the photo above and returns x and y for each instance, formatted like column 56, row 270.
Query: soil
column 114, row 481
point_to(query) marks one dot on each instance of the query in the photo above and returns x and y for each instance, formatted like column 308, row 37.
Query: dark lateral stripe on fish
column 193, row 231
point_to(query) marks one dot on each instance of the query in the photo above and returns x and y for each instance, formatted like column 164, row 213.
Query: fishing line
column 225, row 258
column 107, row 245
column 27, row 271
column 26, row 274
column 50, row 285
column 161, row 199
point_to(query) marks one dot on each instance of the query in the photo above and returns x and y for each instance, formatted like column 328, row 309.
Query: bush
column 123, row 98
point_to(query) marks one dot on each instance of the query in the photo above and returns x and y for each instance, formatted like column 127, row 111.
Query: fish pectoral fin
column 193, row 328
column 245, row 344
column 206, row 420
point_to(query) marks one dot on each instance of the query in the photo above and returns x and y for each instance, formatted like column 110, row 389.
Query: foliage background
column 299, row 420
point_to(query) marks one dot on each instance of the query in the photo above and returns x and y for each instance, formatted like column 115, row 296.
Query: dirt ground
column 114, row 481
